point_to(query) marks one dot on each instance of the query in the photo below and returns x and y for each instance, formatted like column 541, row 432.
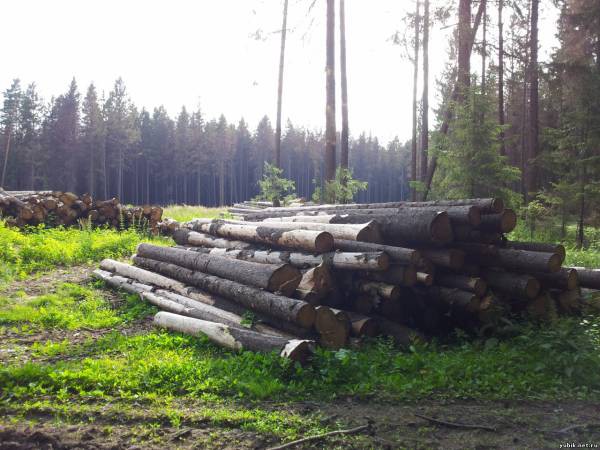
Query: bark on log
column 187, row 237
column 476, row 285
column 424, row 225
column 565, row 278
column 400, row 275
column 313, row 241
column 455, row 298
column 503, row 222
column 236, row 338
column 366, row 231
column 517, row 285
column 398, row 255
column 380, row 289
column 123, row 283
column 588, row 278
column 559, row 249
column 375, row 261
column 273, row 277
column 296, row 311
column 487, row 205
column 142, row 275
column 451, row 258
column 523, row 260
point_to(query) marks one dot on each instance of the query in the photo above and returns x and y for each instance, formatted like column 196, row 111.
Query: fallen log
column 273, row 277
column 313, row 241
column 523, row 260
column 588, row 278
column 451, row 258
column 476, row 285
column 402, row 335
column 380, row 289
column 235, row 338
column 374, row 261
column 565, row 278
column 366, row 231
column 558, row 249
column 315, row 284
column 397, row 255
column 503, row 222
column 517, row 285
column 362, row 325
column 333, row 333
column 123, row 283
column 399, row 275
column 422, row 226
column 186, row 237
column 295, row 311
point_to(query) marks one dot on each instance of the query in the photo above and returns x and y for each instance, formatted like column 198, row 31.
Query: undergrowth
column 37, row 249
column 183, row 213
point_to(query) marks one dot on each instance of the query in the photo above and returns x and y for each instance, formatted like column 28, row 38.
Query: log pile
column 55, row 208
column 333, row 274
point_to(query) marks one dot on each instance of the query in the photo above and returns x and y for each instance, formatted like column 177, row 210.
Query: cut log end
column 298, row 350
column 554, row 263
column 323, row 242
column 532, row 288
column 306, row 316
column 441, row 229
column 285, row 280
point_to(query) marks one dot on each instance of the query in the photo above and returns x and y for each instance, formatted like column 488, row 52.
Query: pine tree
column 93, row 139
column 10, row 117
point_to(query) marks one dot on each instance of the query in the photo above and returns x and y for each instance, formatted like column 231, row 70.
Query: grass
column 157, row 373
column 38, row 249
column 183, row 213
column 71, row 307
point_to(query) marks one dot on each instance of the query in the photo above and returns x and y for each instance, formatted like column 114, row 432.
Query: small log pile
column 330, row 274
column 54, row 208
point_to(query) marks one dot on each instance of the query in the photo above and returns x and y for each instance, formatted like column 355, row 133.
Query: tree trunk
column 565, row 278
column 123, row 283
column 399, row 275
column 450, row 258
column 504, row 222
column 501, row 77
column 273, row 277
column 425, row 97
column 344, row 87
column 465, row 36
column 533, row 102
column 315, row 285
column 524, row 260
column 330, row 134
column 295, row 311
column 559, row 249
column 5, row 165
column 235, row 338
column 280, row 87
column 414, row 102
column 588, row 278
column 187, row 237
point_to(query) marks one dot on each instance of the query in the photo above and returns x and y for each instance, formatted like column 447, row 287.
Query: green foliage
column 183, row 213
column 22, row 253
column 70, row 307
column 469, row 160
column 341, row 190
column 273, row 187
column 533, row 212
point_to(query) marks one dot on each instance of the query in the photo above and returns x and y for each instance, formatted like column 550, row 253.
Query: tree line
column 109, row 148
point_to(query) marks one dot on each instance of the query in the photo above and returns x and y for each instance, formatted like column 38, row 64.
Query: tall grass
column 183, row 213
column 22, row 253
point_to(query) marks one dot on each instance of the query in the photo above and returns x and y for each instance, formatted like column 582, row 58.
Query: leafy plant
column 341, row 190
column 273, row 187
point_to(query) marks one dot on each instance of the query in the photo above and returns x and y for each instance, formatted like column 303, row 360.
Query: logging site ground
column 83, row 367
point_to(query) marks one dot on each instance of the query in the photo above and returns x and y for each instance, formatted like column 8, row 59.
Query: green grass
column 22, row 253
column 183, row 213
column 70, row 307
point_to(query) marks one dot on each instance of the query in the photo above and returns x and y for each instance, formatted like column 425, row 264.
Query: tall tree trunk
column 413, row 167
column 221, row 182
column 6, row 151
column 344, row 86
column 501, row 77
column 531, row 184
column 280, row 87
column 483, row 48
column 455, row 96
column 425, row 97
column 330, row 133
column 465, row 37
column 92, row 172
column 580, row 224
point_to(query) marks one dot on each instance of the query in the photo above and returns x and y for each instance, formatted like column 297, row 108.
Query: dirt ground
column 425, row 425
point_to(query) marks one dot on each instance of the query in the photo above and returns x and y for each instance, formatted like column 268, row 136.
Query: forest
column 512, row 126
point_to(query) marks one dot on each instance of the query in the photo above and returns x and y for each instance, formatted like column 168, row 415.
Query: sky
column 222, row 56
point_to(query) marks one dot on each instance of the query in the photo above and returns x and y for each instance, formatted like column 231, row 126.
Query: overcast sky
column 203, row 52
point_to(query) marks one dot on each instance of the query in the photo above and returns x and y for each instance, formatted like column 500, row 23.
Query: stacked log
column 337, row 274
column 56, row 208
